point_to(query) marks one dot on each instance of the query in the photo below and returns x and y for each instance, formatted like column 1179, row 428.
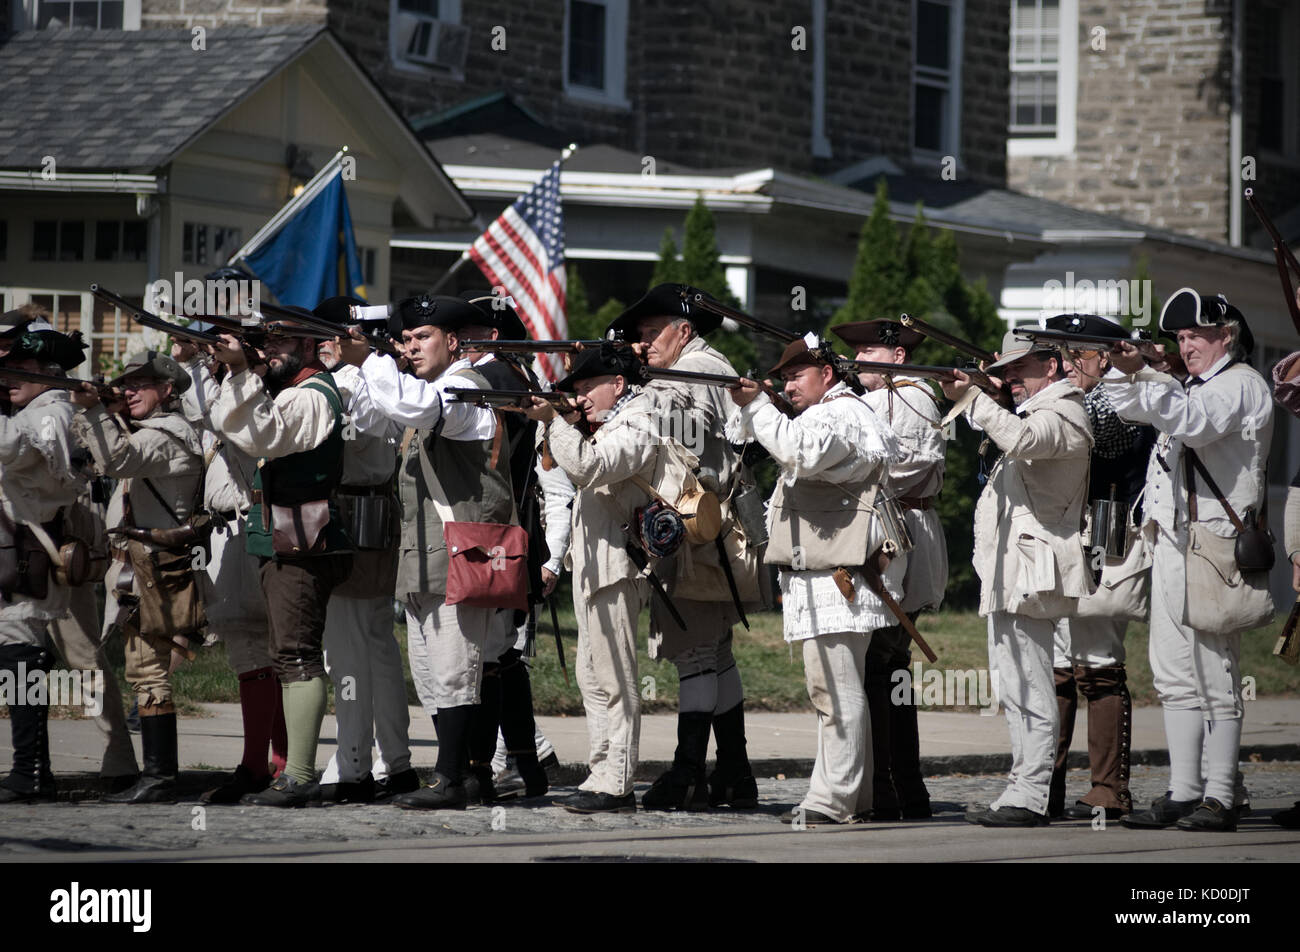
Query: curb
column 80, row 787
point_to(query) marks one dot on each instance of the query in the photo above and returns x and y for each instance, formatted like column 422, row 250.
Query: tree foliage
column 919, row 273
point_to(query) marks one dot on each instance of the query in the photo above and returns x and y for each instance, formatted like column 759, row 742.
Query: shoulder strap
column 1192, row 464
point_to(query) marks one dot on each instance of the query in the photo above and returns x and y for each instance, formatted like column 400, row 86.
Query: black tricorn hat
column 432, row 310
column 878, row 333
column 337, row 310
column 600, row 362
column 1187, row 308
column 498, row 311
column 667, row 300
column 42, row 342
column 1092, row 324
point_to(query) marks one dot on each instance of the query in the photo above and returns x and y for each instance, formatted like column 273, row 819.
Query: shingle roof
column 127, row 100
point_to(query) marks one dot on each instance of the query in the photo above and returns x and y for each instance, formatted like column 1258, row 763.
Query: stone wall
column 1152, row 119
column 711, row 84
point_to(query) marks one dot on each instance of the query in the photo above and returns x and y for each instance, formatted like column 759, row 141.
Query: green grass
column 772, row 674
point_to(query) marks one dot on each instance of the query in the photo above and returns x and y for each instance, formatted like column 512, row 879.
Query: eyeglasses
column 139, row 384
column 1084, row 354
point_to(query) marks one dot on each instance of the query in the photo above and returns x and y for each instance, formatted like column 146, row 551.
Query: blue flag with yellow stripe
column 314, row 255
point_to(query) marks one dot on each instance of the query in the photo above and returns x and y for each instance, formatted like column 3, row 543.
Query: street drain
column 625, row 858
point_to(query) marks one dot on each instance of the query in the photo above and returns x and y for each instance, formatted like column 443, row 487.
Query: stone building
column 1159, row 111
column 807, row 86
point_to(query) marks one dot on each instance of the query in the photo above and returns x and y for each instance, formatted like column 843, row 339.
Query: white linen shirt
column 411, row 402
column 1228, row 420
column 840, row 441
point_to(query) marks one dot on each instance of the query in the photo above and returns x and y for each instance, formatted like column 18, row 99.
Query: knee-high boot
column 1067, row 703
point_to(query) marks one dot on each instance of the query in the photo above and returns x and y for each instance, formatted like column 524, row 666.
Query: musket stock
column 704, row 302
column 719, row 380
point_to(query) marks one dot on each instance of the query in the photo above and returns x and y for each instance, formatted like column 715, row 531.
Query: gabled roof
column 128, row 100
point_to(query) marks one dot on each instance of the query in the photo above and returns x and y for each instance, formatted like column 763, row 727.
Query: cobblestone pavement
column 67, row 829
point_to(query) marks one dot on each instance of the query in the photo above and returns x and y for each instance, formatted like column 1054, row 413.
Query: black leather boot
column 157, row 782
column 732, row 782
column 1067, row 705
column 683, row 787
column 518, row 725
column 30, row 779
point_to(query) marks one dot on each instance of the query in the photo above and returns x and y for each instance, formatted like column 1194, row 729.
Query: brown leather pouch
column 844, row 582
column 299, row 530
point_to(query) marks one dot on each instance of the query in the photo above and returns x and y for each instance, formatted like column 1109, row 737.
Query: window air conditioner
column 432, row 42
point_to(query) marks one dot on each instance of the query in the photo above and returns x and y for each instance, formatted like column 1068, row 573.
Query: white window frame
column 122, row 333
column 615, row 92
column 952, row 118
column 26, row 14
column 448, row 12
column 1067, row 91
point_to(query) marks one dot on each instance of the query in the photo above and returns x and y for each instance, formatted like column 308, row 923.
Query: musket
column 871, row 571
column 704, row 302
column 537, row 346
column 978, row 377
column 1281, row 253
column 106, row 393
column 148, row 319
column 562, row 402
column 1288, row 642
column 719, row 380
column 1071, row 341
column 943, row 337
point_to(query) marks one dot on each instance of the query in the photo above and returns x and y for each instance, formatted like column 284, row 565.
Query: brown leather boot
column 1110, row 722
column 1067, row 704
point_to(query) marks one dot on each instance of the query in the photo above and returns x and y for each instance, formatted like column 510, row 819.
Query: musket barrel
column 745, row 320
column 943, row 337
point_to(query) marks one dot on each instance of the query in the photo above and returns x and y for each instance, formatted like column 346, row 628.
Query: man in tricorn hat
column 614, row 472
column 158, row 462
column 669, row 328
column 1088, row 647
column 907, row 406
column 823, row 533
column 291, row 419
column 37, row 480
column 1206, row 482
column 361, row 655
column 446, row 467
column 1028, row 555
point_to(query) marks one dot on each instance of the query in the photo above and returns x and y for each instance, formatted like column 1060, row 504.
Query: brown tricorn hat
column 881, row 333
column 797, row 354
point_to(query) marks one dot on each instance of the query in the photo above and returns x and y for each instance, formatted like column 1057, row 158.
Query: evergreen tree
column 668, row 269
column 701, row 268
column 919, row 274
column 584, row 324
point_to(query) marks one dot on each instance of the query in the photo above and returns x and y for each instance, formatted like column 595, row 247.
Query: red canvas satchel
column 487, row 562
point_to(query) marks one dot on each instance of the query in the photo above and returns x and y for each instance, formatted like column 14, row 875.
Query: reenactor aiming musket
column 1154, row 354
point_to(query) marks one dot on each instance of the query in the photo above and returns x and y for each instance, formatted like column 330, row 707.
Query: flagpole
column 309, row 191
column 464, row 255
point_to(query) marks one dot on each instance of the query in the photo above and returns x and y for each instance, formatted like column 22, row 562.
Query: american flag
column 523, row 253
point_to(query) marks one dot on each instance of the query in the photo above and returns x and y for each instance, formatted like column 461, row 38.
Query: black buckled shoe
column 232, row 791
column 673, row 790
column 43, row 794
column 1086, row 811
column 394, row 785
column 1013, row 816
column 1210, row 816
column 479, row 788
column 587, row 801
column 809, row 818
column 1288, row 819
column 285, row 792
column 735, row 789
column 1166, row 811
column 349, row 791
column 441, row 794
column 146, row 790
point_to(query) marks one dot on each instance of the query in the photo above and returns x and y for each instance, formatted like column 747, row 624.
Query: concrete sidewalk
column 778, row 743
